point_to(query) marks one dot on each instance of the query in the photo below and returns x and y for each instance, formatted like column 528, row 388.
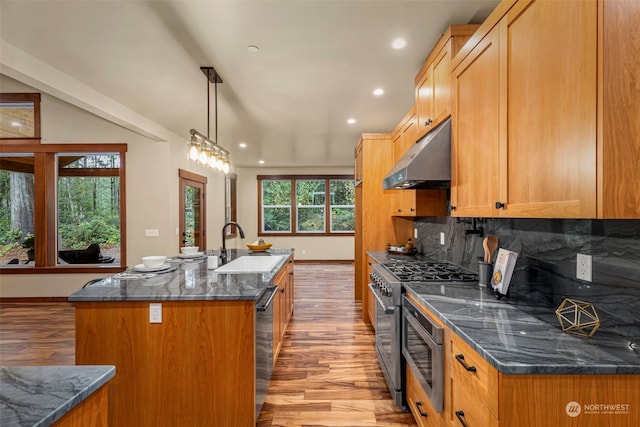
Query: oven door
column 388, row 325
column 422, row 349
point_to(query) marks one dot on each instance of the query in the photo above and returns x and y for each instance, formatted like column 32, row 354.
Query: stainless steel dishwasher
column 264, row 344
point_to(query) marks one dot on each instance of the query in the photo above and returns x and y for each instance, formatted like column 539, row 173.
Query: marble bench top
column 40, row 395
column 189, row 280
column 521, row 336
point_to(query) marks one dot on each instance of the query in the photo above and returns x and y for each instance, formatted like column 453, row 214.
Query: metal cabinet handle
column 500, row 205
column 428, row 122
column 419, row 408
column 460, row 359
column 460, row 415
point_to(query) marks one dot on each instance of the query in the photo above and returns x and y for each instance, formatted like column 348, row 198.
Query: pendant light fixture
column 201, row 148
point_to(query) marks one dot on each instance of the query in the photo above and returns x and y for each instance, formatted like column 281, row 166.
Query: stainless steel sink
column 250, row 264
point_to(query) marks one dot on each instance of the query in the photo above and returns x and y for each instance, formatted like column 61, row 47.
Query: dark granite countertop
column 189, row 280
column 522, row 337
column 38, row 396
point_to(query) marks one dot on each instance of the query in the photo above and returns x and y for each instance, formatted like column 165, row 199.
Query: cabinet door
column 398, row 151
column 277, row 325
column 619, row 173
column 442, row 84
column 424, row 102
column 551, row 132
column 476, row 129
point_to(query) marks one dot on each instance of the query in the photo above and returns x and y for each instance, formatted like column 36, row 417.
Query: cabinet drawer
column 469, row 409
column 479, row 378
column 419, row 403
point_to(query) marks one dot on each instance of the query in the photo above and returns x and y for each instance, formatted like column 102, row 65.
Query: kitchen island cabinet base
column 197, row 367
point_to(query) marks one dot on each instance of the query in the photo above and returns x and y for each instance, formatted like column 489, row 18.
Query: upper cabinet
column 529, row 136
column 433, row 82
column 413, row 203
column 618, row 188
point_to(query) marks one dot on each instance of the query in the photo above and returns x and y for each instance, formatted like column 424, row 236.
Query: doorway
column 193, row 227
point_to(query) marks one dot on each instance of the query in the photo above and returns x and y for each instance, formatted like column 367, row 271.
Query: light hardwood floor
column 327, row 373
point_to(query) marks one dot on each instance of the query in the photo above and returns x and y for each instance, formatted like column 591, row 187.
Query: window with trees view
column 61, row 205
column 306, row 205
column 60, row 208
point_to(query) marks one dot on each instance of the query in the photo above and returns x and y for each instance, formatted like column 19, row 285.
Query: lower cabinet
column 477, row 395
column 371, row 300
column 419, row 403
column 282, row 306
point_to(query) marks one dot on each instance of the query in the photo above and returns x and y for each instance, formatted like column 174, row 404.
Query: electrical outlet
column 442, row 237
column 583, row 267
column 415, row 233
column 155, row 313
column 151, row 232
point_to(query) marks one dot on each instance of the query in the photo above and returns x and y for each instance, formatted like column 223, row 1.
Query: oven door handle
column 387, row 310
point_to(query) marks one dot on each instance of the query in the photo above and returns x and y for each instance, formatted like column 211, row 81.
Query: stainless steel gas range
column 386, row 283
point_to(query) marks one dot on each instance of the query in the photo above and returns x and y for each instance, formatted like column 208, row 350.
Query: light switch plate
column 155, row 313
column 151, row 232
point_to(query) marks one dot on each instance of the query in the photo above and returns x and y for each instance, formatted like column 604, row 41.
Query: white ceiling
column 138, row 63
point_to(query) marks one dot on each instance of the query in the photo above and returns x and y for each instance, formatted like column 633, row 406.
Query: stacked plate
column 141, row 268
column 197, row 255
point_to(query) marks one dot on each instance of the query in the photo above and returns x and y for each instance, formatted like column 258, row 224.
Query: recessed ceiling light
column 261, row 162
column 378, row 92
column 242, row 145
column 253, row 48
column 351, row 121
column 399, row 43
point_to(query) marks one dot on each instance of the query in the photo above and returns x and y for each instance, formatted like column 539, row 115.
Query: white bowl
column 189, row 250
column 153, row 261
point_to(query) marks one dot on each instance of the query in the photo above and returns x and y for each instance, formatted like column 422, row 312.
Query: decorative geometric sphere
column 578, row 317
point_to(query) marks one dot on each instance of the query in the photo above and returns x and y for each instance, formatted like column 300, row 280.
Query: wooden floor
column 327, row 373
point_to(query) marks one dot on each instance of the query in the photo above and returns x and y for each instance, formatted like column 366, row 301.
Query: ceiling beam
column 29, row 70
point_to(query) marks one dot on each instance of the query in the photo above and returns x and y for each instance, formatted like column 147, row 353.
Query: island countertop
column 188, row 280
column 40, row 395
column 521, row 336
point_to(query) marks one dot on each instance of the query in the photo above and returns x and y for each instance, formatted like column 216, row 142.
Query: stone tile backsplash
column 546, row 266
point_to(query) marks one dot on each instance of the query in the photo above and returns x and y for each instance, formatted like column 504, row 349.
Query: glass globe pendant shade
column 193, row 153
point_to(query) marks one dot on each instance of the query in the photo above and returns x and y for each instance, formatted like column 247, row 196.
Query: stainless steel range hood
column 427, row 164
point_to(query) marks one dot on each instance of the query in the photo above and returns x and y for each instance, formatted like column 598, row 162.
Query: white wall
column 306, row 248
column 151, row 190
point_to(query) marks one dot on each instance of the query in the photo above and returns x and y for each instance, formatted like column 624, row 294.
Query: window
column 306, row 205
column 20, row 116
column 61, row 207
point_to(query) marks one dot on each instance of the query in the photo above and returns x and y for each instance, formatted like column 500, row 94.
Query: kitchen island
column 198, row 362
column 59, row 396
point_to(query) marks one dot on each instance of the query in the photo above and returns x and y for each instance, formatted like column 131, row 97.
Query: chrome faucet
column 223, row 249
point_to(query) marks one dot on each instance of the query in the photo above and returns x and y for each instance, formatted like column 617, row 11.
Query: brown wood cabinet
column 371, row 299
column 527, row 141
column 483, row 397
column 282, row 306
column 414, row 203
column 618, row 153
column 433, row 81
column 197, row 367
column 373, row 224
column 91, row 412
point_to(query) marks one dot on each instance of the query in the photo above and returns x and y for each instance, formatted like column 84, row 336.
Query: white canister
column 212, row 262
